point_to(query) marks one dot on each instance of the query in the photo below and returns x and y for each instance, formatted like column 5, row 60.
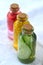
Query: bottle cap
column 14, row 7
column 22, row 17
column 28, row 28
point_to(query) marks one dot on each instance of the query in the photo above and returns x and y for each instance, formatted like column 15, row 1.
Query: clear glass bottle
column 22, row 19
column 27, row 44
column 11, row 17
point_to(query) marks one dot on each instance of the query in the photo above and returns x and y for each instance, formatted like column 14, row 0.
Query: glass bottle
column 27, row 44
column 22, row 19
column 11, row 17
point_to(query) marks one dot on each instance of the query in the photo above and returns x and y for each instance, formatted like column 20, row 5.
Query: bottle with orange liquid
column 22, row 19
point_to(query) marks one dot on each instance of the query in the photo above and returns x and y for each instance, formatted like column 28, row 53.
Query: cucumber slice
column 27, row 39
column 24, row 51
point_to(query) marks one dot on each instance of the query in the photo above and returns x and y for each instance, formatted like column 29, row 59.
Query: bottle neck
column 22, row 20
column 14, row 12
column 27, row 32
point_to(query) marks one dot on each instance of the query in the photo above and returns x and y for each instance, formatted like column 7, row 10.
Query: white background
column 34, row 9
column 25, row 5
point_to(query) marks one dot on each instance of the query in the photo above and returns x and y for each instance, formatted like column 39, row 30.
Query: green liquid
column 26, row 50
column 26, row 61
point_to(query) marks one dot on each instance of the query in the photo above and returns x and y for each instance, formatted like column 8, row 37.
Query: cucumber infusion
column 27, row 44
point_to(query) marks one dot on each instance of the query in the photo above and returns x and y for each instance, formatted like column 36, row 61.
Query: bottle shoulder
column 17, row 24
column 33, row 35
column 26, row 22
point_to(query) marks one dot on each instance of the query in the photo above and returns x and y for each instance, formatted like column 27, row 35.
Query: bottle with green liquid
column 27, row 44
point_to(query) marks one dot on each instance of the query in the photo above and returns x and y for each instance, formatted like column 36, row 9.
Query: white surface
column 8, row 56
